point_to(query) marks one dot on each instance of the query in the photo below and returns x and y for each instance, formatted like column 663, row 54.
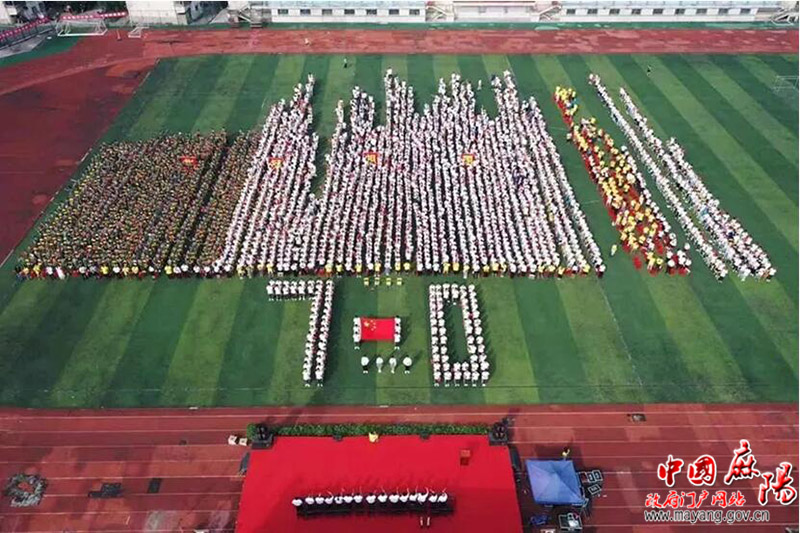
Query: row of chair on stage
column 427, row 502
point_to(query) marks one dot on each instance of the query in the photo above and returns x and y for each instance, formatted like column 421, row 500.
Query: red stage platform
column 483, row 491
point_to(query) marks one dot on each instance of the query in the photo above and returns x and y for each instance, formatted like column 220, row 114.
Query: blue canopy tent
column 554, row 482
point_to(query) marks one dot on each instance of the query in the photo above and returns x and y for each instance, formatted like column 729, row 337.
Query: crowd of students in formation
column 643, row 230
column 376, row 501
column 475, row 368
column 144, row 208
column 319, row 321
column 444, row 190
column 722, row 242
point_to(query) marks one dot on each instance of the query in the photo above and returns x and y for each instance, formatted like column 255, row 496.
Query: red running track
column 69, row 99
column 76, row 450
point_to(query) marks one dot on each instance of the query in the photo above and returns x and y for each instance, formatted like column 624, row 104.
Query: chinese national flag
column 377, row 329
column 371, row 157
column 189, row 160
column 275, row 162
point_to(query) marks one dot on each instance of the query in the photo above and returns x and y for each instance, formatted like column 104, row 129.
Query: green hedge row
column 350, row 430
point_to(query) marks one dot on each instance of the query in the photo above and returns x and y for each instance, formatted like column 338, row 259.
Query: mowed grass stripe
column 776, row 313
column 21, row 321
column 249, row 355
column 713, row 137
column 741, row 73
column 513, row 379
column 143, row 368
column 194, row 370
column 782, row 65
column 190, row 105
column 222, row 97
column 286, row 382
column 46, row 353
column 338, row 85
column 767, row 373
column 653, row 349
column 407, row 302
column 287, row 354
column 758, row 147
column 398, row 63
column 760, row 67
column 369, row 77
column 91, row 365
column 711, row 365
column 750, row 109
column 551, row 345
column 152, row 117
column 422, row 78
column 164, row 73
column 771, row 313
column 473, row 69
column 250, row 100
column 739, row 196
column 605, row 358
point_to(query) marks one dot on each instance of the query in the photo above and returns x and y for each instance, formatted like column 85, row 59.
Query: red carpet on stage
column 377, row 329
column 483, row 491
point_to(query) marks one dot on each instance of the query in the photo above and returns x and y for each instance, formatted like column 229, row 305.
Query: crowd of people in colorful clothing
column 644, row 232
column 143, row 208
column 442, row 190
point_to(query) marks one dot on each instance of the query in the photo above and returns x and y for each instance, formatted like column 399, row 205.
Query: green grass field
column 628, row 337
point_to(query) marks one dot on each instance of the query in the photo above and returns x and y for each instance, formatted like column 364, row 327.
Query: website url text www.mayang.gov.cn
column 706, row 516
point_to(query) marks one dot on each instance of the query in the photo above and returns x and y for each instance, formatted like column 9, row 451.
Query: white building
column 349, row 11
column 164, row 12
column 17, row 12
column 471, row 11
column 600, row 11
